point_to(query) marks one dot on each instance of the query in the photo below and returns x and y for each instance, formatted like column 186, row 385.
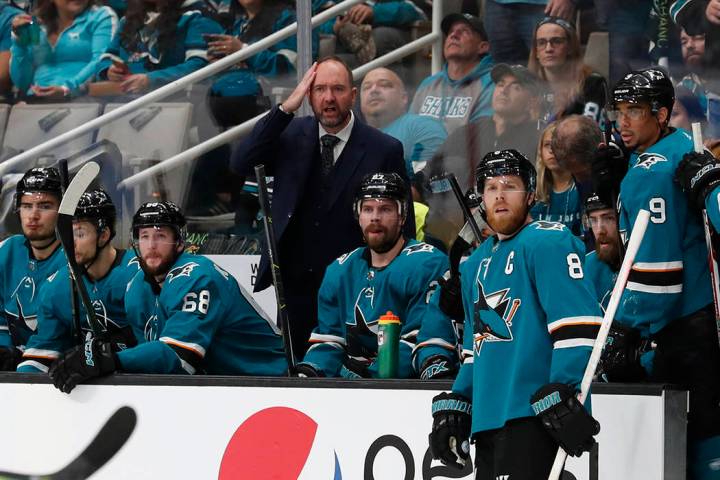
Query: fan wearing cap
column 28, row 260
column 190, row 315
column 392, row 273
column 668, row 297
column 531, row 320
column 556, row 57
column 107, row 271
column 513, row 124
column 461, row 93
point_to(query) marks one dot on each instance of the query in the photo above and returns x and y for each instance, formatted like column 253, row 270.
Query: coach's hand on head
column 293, row 102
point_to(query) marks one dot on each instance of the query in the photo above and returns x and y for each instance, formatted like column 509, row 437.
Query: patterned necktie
column 328, row 143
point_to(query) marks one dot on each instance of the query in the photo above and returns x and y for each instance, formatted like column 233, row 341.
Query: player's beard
column 609, row 252
column 507, row 224
column 160, row 269
column 384, row 243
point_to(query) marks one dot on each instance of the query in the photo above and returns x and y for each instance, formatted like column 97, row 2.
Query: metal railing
column 172, row 87
column 433, row 38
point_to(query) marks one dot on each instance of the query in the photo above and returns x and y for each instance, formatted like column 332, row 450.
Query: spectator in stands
column 686, row 110
column 373, row 29
column 511, row 24
column 157, row 42
column 237, row 96
column 462, row 92
column 693, row 49
column 557, row 198
column 513, row 124
column 383, row 101
column 57, row 64
column 8, row 11
column 556, row 57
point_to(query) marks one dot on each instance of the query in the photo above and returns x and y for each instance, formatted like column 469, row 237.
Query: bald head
column 574, row 143
column 382, row 97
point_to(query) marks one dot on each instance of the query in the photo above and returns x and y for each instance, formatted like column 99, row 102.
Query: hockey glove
column 305, row 370
column 450, row 436
column 451, row 302
column 564, row 417
column 92, row 359
column 609, row 167
column 437, row 367
column 698, row 174
column 620, row 360
column 10, row 357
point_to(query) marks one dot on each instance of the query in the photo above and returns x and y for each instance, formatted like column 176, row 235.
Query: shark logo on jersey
column 222, row 272
column 182, row 271
column 363, row 326
column 342, row 258
column 151, row 328
column 647, row 160
column 24, row 318
column 419, row 247
column 493, row 315
column 542, row 225
column 134, row 261
column 101, row 314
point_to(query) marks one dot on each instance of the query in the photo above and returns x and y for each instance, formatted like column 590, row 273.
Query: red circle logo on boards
column 273, row 444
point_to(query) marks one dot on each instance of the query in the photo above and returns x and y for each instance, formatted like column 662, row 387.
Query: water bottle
column 29, row 33
column 388, row 345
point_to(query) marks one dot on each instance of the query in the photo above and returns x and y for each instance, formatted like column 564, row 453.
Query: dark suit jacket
column 288, row 146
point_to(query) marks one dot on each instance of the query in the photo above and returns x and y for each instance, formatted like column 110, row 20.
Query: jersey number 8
column 574, row 266
column 194, row 302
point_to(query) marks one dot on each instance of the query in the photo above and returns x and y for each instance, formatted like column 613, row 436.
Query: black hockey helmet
column 594, row 202
column 649, row 85
column 97, row 207
column 160, row 214
column 505, row 162
column 383, row 185
column 41, row 179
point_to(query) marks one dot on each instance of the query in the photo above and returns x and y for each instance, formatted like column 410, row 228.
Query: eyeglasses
column 541, row 43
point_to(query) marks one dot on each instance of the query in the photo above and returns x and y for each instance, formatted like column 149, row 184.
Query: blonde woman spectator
column 556, row 58
column 56, row 61
column 557, row 198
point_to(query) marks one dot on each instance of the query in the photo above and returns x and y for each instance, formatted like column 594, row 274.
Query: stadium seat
column 31, row 125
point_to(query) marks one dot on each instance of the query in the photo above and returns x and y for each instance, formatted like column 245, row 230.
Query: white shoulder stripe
column 190, row 346
column 582, row 320
column 317, row 337
column 574, row 342
column 641, row 287
column 34, row 364
column 658, row 266
column 38, row 352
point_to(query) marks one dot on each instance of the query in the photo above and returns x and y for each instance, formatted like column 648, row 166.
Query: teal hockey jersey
column 55, row 329
column 354, row 295
column 20, row 281
column 601, row 277
column 670, row 276
column 530, row 319
column 201, row 320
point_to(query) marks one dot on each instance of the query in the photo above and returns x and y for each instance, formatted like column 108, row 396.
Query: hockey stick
column 74, row 305
column 283, row 319
column 463, row 206
column 711, row 236
column 636, row 237
column 64, row 230
column 107, row 442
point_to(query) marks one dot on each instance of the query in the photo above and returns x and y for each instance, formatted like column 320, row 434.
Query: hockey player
column 191, row 314
column 391, row 274
column 626, row 357
column 668, row 297
column 530, row 323
column 107, row 273
column 28, row 260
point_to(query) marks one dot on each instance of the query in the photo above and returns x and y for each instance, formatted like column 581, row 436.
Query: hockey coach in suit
column 317, row 163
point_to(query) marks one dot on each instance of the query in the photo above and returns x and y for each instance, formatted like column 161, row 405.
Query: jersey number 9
column 194, row 302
